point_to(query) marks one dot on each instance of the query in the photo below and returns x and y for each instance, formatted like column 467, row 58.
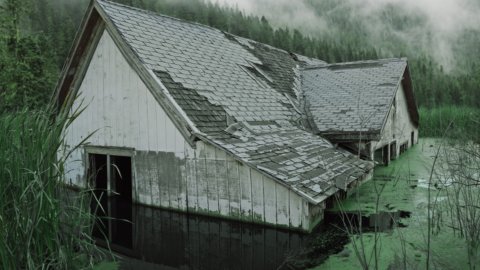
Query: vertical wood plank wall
column 398, row 126
column 168, row 172
column 225, row 187
column 119, row 112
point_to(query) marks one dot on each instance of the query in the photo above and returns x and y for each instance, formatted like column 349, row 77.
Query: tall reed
column 39, row 227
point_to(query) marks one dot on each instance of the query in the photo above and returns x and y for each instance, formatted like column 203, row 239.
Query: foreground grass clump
column 434, row 121
column 39, row 227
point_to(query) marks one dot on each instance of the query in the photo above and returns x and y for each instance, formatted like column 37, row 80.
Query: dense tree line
column 36, row 36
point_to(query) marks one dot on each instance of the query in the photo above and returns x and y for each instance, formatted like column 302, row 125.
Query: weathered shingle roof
column 241, row 95
column 351, row 97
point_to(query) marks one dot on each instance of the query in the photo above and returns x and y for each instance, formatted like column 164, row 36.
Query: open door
column 111, row 178
column 98, row 177
column 121, row 201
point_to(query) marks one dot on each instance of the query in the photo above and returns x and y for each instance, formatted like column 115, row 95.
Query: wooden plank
column 270, row 200
column 295, row 210
column 143, row 181
column 233, row 187
column 257, row 196
column 151, row 119
column 170, row 135
column 179, row 143
column 222, row 178
column 212, row 182
column 173, row 179
column 97, row 81
column 182, row 187
column 163, row 182
column 201, row 175
column 282, row 205
column 192, row 192
column 154, row 160
column 305, row 215
column 246, row 193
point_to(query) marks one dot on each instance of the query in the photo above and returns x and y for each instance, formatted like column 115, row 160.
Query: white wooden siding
column 121, row 112
column 228, row 188
column 398, row 126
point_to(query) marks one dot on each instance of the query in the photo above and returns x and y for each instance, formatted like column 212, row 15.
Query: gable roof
column 347, row 98
column 237, row 94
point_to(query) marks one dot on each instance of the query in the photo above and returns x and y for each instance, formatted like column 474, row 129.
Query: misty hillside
column 37, row 35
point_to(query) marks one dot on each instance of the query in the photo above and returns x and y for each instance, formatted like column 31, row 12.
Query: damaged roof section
column 351, row 97
column 200, row 58
column 241, row 95
column 309, row 165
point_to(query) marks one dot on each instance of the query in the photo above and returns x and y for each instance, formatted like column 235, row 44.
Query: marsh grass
column 42, row 226
column 459, row 176
column 435, row 121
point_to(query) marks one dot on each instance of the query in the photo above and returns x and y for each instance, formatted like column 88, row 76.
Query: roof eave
column 63, row 86
column 337, row 136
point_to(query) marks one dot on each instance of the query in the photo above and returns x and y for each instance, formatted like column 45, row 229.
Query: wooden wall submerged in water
column 210, row 182
column 184, row 241
column 122, row 115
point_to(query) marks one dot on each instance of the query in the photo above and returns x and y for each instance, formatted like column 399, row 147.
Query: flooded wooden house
column 367, row 107
column 182, row 116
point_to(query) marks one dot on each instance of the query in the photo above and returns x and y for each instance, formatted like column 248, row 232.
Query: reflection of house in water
column 186, row 117
column 181, row 241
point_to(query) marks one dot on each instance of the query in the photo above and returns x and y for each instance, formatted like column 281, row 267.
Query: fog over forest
column 437, row 28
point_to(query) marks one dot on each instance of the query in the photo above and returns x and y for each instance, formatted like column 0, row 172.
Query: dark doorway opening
column 386, row 156
column 413, row 138
column 393, row 150
column 111, row 177
column 121, row 200
column 378, row 156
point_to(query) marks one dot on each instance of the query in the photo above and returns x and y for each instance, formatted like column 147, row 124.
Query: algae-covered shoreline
column 402, row 187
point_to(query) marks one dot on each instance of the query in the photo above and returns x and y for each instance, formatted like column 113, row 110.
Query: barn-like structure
column 183, row 116
column 367, row 107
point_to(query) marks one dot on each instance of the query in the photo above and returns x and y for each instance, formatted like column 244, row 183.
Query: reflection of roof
column 352, row 97
column 241, row 95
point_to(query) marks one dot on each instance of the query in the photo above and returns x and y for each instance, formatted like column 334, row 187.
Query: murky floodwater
column 171, row 240
column 394, row 204
column 398, row 197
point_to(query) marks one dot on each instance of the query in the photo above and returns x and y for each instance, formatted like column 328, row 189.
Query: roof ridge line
column 154, row 13
column 358, row 62
column 151, row 12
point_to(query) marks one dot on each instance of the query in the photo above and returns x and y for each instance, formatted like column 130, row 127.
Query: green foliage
column 26, row 79
column 44, row 30
column 41, row 225
column 465, row 120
